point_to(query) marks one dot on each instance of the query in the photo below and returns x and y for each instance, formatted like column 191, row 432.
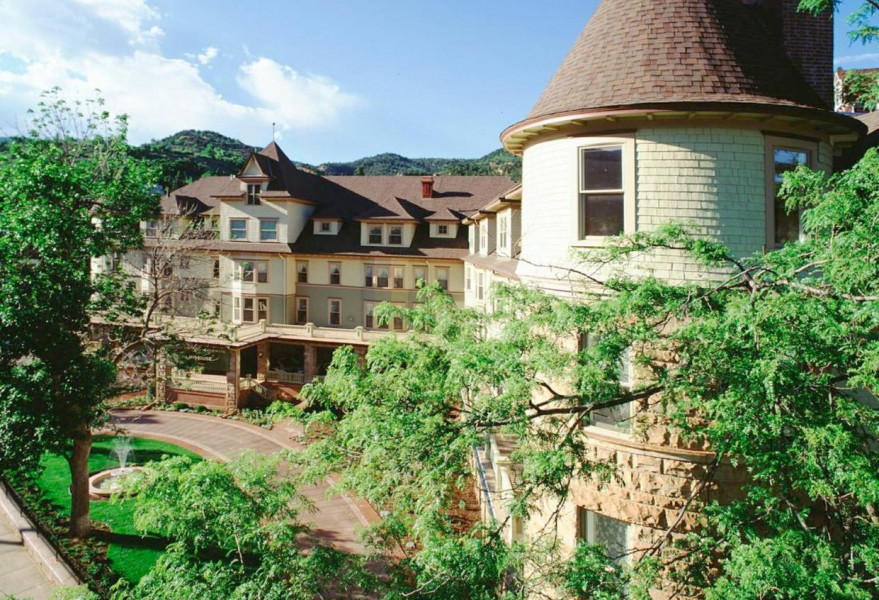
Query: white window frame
column 330, row 312
column 391, row 229
column 330, row 268
column 468, row 276
column 480, row 285
column 251, row 194
column 483, row 236
column 275, row 231
column 415, row 277
column 502, row 233
column 381, row 232
column 444, row 282
column 630, row 217
column 298, row 302
column 151, row 229
column 401, row 280
column 300, row 271
column 259, row 271
column 232, row 229
column 239, row 306
column 773, row 143
column 372, row 279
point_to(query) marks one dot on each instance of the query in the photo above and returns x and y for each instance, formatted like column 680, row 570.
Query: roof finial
column 273, row 131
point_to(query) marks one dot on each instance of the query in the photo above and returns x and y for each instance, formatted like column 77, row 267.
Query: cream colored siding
column 292, row 218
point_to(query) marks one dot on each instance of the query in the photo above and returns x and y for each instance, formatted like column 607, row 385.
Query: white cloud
column 290, row 98
column 209, row 54
column 857, row 58
column 112, row 45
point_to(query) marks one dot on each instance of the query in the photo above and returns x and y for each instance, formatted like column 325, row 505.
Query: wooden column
column 310, row 362
column 262, row 361
column 233, row 376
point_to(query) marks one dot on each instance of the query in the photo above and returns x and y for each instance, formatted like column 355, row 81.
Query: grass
column 130, row 555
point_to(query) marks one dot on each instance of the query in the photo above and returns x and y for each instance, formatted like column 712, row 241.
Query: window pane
column 262, row 272
column 238, row 229
column 268, row 230
column 787, row 225
column 603, row 169
column 375, row 235
column 602, row 214
column 611, row 534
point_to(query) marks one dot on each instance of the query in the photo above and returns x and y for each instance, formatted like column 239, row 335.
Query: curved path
column 335, row 519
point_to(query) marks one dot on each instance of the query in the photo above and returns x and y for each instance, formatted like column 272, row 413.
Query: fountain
column 108, row 482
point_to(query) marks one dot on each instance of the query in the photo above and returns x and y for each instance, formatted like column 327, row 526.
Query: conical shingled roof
column 649, row 52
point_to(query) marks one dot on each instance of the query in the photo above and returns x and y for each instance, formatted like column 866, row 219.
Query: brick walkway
column 335, row 519
column 19, row 574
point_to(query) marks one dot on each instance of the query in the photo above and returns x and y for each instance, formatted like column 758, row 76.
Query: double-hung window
column 615, row 418
column 395, row 235
column 334, row 310
column 252, row 194
column 301, row 311
column 247, row 271
column 237, row 229
column 468, row 276
column 602, row 191
column 375, row 234
column 398, row 277
column 301, row 272
column 335, row 273
column 216, row 270
column 250, row 310
column 369, row 320
column 419, row 273
column 442, row 277
column 151, row 229
column 502, row 233
column 250, row 271
column 480, row 285
column 381, row 276
column 268, row 230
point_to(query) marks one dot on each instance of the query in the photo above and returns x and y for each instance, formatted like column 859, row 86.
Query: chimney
column 807, row 40
column 427, row 186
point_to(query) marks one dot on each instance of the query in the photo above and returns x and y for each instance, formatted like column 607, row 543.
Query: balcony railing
column 199, row 384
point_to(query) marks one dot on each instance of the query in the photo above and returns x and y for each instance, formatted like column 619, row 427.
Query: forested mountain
column 189, row 155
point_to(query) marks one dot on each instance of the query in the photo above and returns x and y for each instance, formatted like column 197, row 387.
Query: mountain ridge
column 191, row 154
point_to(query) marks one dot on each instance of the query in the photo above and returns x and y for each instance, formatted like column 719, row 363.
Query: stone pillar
column 310, row 362
column 161, row 391
column 233, row 375
column 262, row 361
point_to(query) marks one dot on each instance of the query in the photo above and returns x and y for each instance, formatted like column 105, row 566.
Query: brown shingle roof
column 871, row 120
column 649, row 52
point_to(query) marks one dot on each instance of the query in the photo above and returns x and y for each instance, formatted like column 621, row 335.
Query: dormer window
column 253, row 194
column 442, row 229
column 375, row 234
column 325, row 227
column 395, row 236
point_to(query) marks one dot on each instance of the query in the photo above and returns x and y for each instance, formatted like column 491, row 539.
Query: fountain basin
column 106, row 483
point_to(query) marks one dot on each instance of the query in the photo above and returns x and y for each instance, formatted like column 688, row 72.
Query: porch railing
column 286, row 377
column 196, row 384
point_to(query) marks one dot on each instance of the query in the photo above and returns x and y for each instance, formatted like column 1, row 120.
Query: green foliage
column 69, row 192
column 236, row 535
column 73, row 593
column 775, row 367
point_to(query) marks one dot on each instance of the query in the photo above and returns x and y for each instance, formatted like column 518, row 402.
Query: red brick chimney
column 807, row 40
column 427, row 186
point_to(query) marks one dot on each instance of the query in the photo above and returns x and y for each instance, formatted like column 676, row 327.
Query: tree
column 776, row 369
column 858, row 88
column 69, row 193
column 155, row 299
column 235, row 534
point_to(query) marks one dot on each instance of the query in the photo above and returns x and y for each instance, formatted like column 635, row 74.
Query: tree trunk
column 80, row 524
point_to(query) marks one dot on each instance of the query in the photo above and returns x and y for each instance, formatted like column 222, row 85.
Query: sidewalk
column 19, row 574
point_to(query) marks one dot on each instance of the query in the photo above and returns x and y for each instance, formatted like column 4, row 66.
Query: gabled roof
column 392, row 209
column 200, row 196
column 444, row 215
column 656, row 52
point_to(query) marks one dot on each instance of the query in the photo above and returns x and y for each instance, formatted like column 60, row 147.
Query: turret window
column 783, row 155
column 602, row 197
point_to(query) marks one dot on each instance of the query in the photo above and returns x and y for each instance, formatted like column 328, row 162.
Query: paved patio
column 19, row 574
column 335, row 519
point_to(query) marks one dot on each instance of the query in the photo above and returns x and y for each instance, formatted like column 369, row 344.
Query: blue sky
column 341, row 78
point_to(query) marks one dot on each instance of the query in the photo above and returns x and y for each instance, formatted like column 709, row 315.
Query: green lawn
column 131, row 557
